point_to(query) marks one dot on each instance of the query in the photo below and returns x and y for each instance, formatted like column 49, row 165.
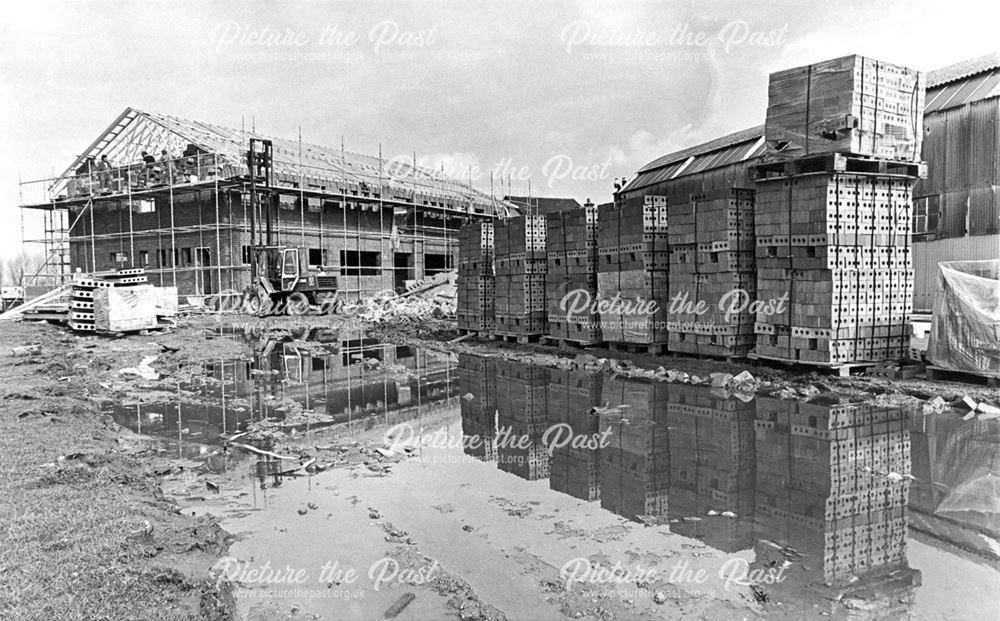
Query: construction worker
column 149, row 161
column 167, row 166
column 104, row 173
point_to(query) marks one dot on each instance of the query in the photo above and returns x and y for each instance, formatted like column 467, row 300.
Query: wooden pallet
column 655, row 349
column 843, row 369
column 940, row 374
column 730, row 358
column 837, row 163
column 562, row 343
column 894, row 371
column 476, row 333
column 523, row 339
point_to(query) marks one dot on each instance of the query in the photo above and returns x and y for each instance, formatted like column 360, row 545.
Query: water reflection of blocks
column 571, row 397
column 712, row 466
column 635, row 466
column 476, row 377
column 531, row 463
column 823, row 486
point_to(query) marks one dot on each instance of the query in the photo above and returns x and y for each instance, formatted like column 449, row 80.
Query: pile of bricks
column 477, row 377
column 835, row 247
column 712, row 274
column 571, row 245
column 519, row 244
column 522, row 418
column 633, row 259
column 574, row 468
column 822, row 466
column 476, row 283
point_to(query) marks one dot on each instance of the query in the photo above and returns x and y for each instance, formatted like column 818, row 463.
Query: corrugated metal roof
column 544, row 204
column 735, row 138
column 730, row 149
column 963, row 69
column 972, row 88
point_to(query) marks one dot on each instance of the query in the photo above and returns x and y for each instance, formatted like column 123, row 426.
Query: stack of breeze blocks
column 712, row 262
column 571, row 245
column 476, row 283
column 833, row 224
column 836, row 246
column 820, row 246
column 520, row 277
column 633, row 259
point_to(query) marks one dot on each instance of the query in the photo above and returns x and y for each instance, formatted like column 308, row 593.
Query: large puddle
column 526, row 480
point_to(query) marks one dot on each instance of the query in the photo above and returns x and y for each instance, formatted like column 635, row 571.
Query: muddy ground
column 88, row 532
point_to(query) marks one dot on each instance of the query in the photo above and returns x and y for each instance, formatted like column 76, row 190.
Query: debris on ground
column 400, row 604
column 143, row 369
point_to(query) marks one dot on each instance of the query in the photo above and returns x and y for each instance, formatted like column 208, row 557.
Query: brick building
column 176, row 197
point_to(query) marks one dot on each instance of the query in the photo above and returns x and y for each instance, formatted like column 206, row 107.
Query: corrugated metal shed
column 961, row 143
column 711, row 165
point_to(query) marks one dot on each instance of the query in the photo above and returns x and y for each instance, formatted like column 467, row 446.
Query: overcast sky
column 569, row 94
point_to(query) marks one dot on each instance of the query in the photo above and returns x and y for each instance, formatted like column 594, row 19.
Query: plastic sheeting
column 965, row 329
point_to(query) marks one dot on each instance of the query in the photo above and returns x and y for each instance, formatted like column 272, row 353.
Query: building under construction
column 189, row 202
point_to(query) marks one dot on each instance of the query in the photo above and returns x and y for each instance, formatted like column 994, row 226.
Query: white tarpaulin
column 965, row 329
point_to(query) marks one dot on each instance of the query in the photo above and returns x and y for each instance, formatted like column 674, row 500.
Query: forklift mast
column 260, row 173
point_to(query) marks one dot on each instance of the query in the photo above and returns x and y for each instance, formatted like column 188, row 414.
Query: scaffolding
column 369, row 207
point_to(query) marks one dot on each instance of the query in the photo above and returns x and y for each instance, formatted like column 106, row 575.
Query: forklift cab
column 279, row 266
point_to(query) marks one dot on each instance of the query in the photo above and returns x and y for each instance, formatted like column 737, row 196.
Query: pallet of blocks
column 822, row 479
column 120, row 301
column 571, row 279
column 574, row 467
column 519, row 247
column 834, row 270
column 476, row 282
column 522, row 419
column 477, row 377
column 632, row 282
column 712, row 274
column 852, row 104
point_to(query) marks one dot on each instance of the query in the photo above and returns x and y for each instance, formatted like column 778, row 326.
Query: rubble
column 143, row 369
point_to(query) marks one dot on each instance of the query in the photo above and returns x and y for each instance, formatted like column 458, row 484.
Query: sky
column 559, row 98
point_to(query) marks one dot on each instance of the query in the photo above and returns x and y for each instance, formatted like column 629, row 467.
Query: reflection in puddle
column 355, row 384
column 823, row 486
column 821, row 493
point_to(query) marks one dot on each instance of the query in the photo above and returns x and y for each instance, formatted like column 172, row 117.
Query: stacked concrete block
column 571, row 245
column 834, row 264
column 633, row 260
column 712, row 273
column 852, row 104
column 519, row 245
column 475, row 306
